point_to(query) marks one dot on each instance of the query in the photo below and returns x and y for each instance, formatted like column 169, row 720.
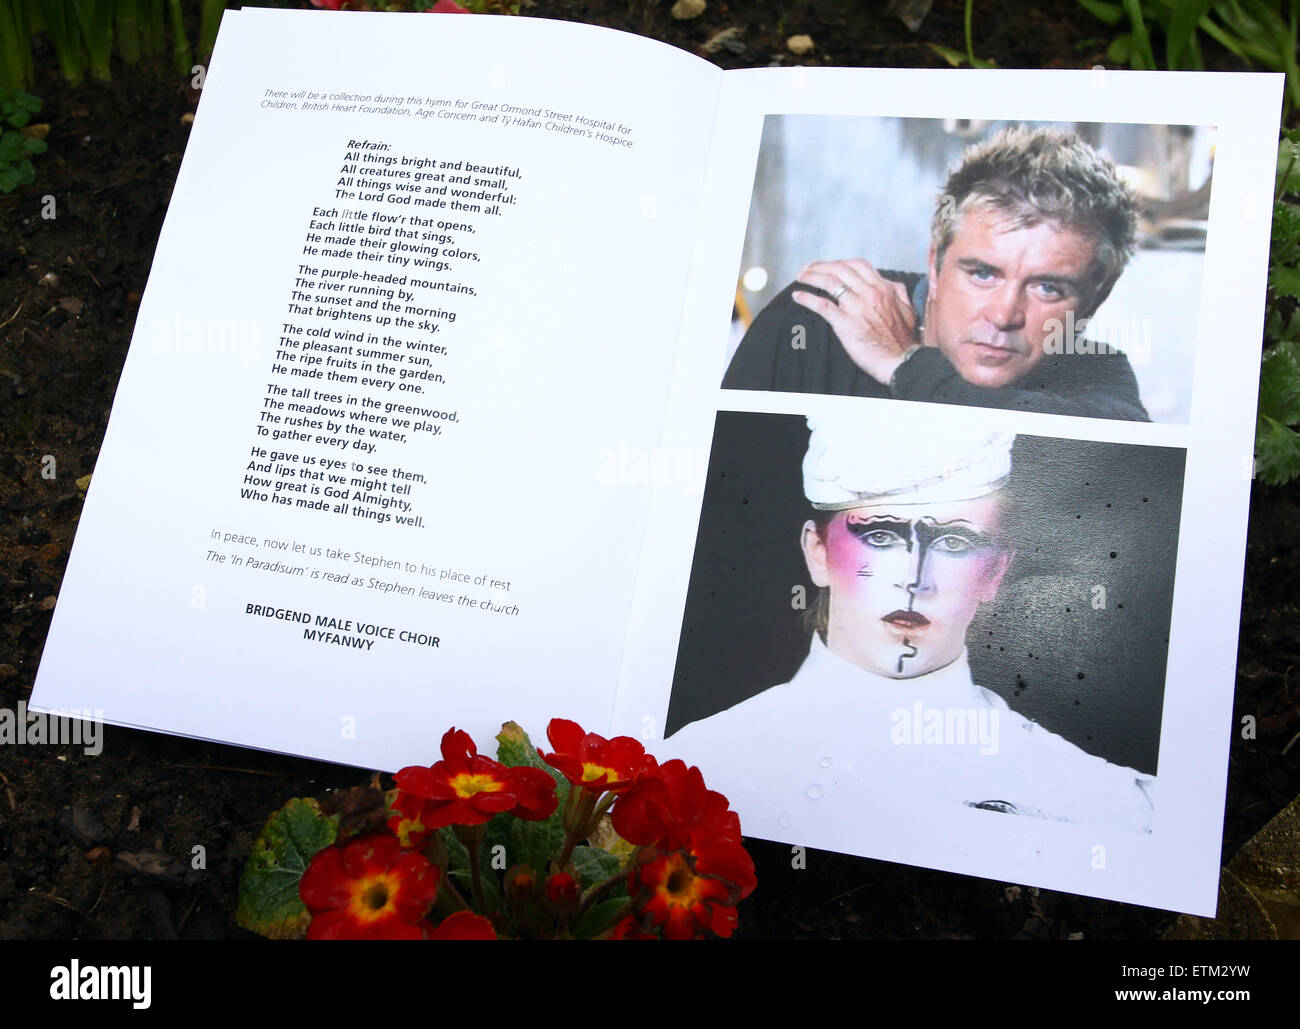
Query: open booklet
column 467, row 387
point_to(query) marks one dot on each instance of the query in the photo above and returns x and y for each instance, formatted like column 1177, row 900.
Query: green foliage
column 594, row 865
column 95, row 20
column 1257, row 31
column 1263, row 32
column 532, row 843
column 535, row 842
column 15, row 52
column 16, row 149
column 955, row 57
column 86, row 33
column 268, row 891
column 515, row 750
column 460, row 872
column 1277, row 445
column 599, row 918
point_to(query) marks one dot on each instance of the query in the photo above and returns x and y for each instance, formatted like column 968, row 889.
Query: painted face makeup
column 905, row 581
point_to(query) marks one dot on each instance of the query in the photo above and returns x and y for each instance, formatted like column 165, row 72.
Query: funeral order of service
column 350, row 493
column 422, row 426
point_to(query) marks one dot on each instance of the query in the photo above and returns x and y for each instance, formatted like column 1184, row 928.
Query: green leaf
column 516, row 750
column 954, row 57
column 498, row 835
column 1277, row 328
column 1284, row 281
column 26, row 173
column 1118, row 51
column 1288, row 167
column 1140, row 54
column 35, row 146
column 535, row 843
column 457, row 854
column 1180, row 35
column 1109, row 13
column 599, row 918
column 594, row 865
column 8, row 180
column 268, row 890
column 458, row 871
column 1277, row 452
column 19, row 118
column 1286, row 222
column 1279, row 384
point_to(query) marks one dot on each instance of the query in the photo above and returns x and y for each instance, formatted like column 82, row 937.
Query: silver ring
column 839, row 292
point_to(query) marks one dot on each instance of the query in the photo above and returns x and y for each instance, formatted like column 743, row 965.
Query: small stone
column 156, row 866
column 910, row 12
column 46, row 604
column 187, row 118
column 727, row 39
column 50, row 279
column 685, row 10
column 83, row 826
column 800, row 45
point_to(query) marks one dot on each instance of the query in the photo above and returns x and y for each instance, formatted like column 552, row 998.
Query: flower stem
column 455, row 902
column 619, row 915
column 596, row 893
column 476, row 873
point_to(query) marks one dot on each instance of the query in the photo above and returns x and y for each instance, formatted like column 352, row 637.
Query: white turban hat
column 857, row 462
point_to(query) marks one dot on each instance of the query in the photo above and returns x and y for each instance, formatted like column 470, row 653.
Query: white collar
column 949, row 686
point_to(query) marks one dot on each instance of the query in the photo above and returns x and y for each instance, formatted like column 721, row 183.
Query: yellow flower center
column 372, row 896
column 679, row 886
column 467, row 784
column 594, row 773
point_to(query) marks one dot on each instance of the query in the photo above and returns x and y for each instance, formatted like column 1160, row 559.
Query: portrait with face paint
column 900, row 584
column 857, row 563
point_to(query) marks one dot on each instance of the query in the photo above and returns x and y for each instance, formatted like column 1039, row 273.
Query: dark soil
column 104, row 847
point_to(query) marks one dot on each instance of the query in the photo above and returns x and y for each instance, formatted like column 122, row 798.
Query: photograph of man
column 908, row 537
column 1029, row 234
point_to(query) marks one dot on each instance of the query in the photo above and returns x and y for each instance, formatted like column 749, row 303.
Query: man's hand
column 872, row 316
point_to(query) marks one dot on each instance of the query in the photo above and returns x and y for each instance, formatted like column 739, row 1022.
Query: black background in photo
column 1076, row 640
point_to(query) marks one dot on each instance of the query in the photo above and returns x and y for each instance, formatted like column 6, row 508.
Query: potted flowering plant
column 594, row 840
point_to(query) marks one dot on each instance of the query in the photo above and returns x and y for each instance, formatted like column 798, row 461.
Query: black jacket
column 1097, row 385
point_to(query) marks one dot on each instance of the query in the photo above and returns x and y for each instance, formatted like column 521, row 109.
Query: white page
column 820, row 800
column 556, row 365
